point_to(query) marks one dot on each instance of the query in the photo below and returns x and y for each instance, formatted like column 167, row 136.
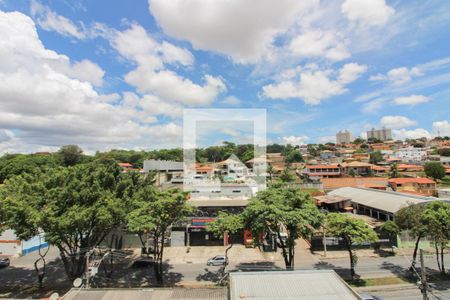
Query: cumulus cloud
column 317, row 43
column 417, row 133
column 244, row 31
column 314, row 85
column 151, row 75
column 295, row 140
column 398, row 76
column 367, row 12
column 350, row 72
column 441, row 128
column 411, row 100
column 44, row 106
column 231, row 100
column 395, row 122
column 51, row 21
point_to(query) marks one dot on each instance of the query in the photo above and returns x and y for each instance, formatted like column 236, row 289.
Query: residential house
column 409, row 168
column 365, row 157
column 379, row 169
column 411, row 154
column 326, row 154
column 259, row 165
column 422, row 186
column 331, row 170
column 167, row 171
column 357, row 168
column 232, row 168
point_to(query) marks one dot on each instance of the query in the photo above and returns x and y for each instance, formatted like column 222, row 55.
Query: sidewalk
column 332, row 254
column 237, row 254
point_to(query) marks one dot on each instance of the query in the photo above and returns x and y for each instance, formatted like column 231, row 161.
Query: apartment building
column 383, row 134
column 344, row 137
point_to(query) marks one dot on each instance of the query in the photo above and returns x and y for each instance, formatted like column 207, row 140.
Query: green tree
column 359, row 141
column 285, row 176
column 434, row 170
column 393, row 172
column 444, row 152
column 352, row 231
column 16, row 164
column 376, row 157
column 282, row 209
column 436, row 218
column 294, row 156
column 153, row 212
column 391, row 229
column 75, row 207
column 70, row 155
column 410, row 218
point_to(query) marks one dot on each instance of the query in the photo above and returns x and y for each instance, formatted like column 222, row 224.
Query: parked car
column 4, row 262
column 143, row 262
column 217, row 260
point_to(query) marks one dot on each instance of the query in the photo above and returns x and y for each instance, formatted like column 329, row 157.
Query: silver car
column 217, row 260
column 4, row 262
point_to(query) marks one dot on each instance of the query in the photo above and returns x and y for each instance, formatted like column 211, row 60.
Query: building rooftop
column 411, row 180
column 147, row 294
column 367, row 182
column 304, row 284
column 387, row 201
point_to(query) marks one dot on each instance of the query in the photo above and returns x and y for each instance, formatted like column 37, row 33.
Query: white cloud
column 51, row 21
column 326, row 139
column 295, row 140
column 395, row 122
column 45, row 107
column 411, row 100
column 314, row 85
column 317, row 43
column 350, row 72
column 417, row 133
column 398, row 76
column 244, row 31
column 441, row 128
column 367, row 12
column 231, row 100
column 152, row 76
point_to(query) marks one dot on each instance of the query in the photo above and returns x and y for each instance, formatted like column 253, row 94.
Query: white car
column 218, row 260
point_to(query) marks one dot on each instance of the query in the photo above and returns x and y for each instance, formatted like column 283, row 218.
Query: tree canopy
column 352, row 231
column 75, row 207
column 282, row 209
column 434, row 170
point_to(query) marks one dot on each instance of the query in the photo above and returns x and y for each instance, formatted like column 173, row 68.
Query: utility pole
column 424, row 276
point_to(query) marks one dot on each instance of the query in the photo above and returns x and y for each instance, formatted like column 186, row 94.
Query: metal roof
column 387, row 201
column 147, row 294
column 301, row 284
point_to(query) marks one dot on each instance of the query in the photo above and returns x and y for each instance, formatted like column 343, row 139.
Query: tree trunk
column 416, row 247
column 436, row 247
column 348, row 244
column 287, row 262
column 41, row 275
column 442, row 260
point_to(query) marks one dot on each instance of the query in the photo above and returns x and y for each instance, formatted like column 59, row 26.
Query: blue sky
column 118, row 74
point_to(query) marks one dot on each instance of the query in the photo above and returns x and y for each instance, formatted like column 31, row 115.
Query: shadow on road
column 21, row 282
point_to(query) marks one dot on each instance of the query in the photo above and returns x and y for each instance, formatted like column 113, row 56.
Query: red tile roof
column 419, row 180
column 125, row 165
column 370, row 182
column 334, row 166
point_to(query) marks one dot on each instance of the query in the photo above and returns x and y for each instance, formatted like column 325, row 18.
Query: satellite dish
column 77, row 282
column 54, row 296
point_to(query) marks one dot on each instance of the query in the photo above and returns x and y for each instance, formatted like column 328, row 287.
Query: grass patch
column 376, row 281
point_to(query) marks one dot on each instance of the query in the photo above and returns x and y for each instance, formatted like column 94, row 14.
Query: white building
column 344, row 137
column 411, row 154
column 383, row 134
